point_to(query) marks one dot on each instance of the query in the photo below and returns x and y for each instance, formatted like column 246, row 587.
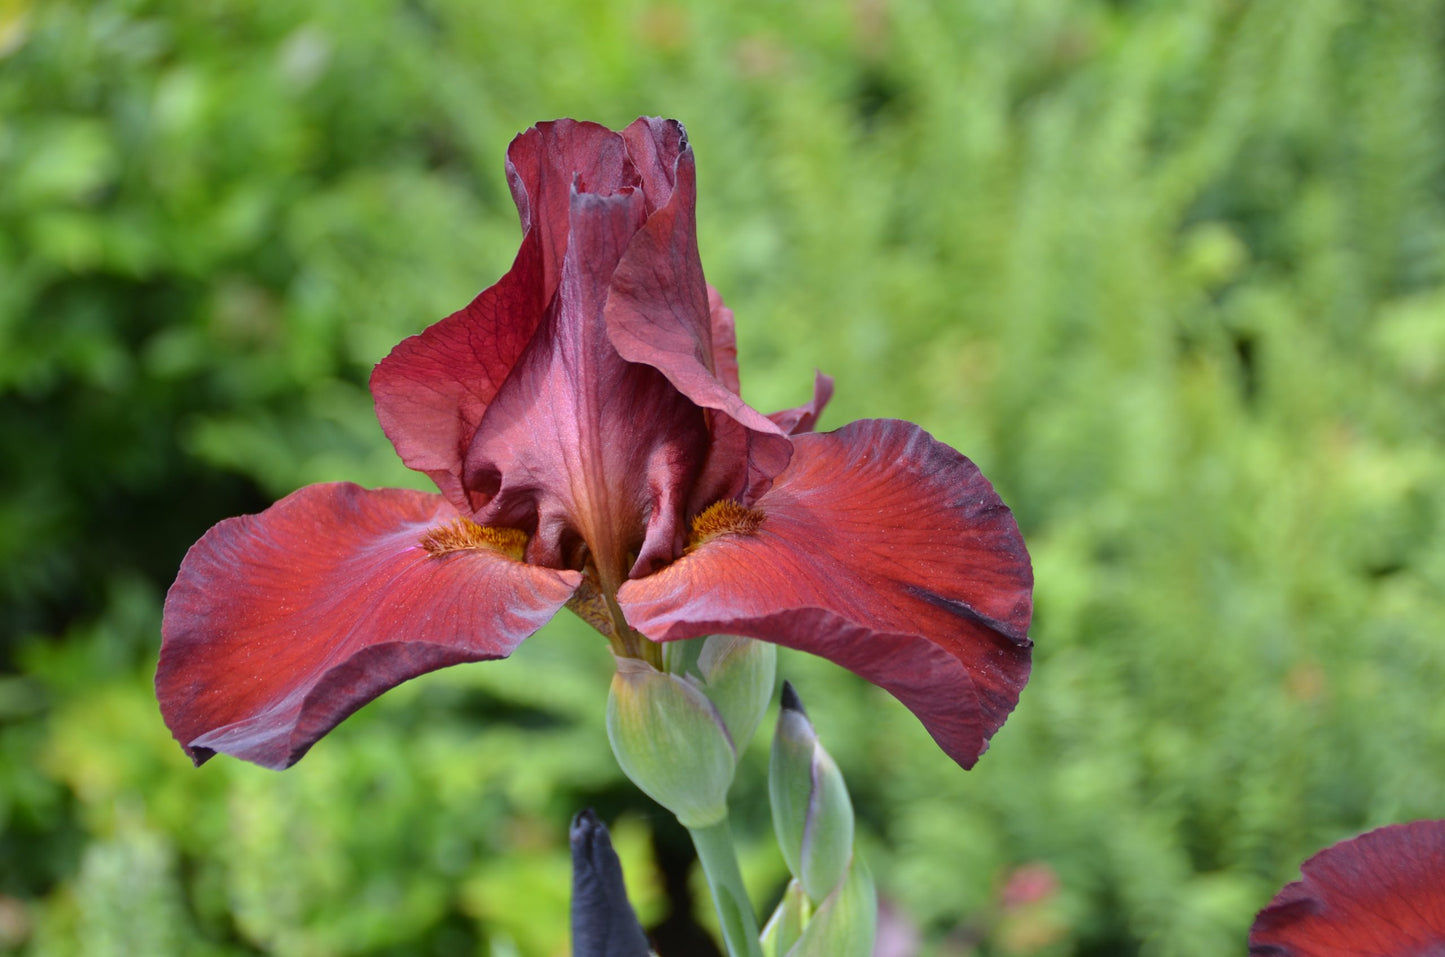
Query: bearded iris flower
column 1381, row 894
column 583, row 423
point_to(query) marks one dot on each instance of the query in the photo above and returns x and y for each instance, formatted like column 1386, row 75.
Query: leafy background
column 1173, row 273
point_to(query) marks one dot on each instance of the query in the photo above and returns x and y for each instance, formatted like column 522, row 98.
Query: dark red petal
column 804, row 417
column 884, row 551
column 280, row 625
column 545, row 163
column 580, row 441
column 1381, row 894
column 433, row 389
column 726, row 473
column 658, row 313
column 724, row 341
column 653, row 146
column 732, row 442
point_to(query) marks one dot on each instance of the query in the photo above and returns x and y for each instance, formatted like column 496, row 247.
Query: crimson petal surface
column 581, row 441
column 434, row 387
column 280, row 625
column 659, row 311
column 886, row 552
column 1381, row 894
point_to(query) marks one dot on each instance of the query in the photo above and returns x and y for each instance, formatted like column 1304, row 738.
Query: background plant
column 1170, row 272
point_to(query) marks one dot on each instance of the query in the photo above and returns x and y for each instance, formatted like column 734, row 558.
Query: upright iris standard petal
column 659, row 311
column 583, row 446
column 1381, row 894
column 550, row 161
column 433, row 389
column 733, row 442
column 880, row 549
column 282, row 624
column 724, row 342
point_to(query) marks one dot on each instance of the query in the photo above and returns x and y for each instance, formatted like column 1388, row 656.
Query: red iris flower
column 583, row 422
column 1381, row 894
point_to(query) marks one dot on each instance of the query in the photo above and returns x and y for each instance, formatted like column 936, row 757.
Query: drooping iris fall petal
column 280, row 625
column 880, row 549
column 1381, row 894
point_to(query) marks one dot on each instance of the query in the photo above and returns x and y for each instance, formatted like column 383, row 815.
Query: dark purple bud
column 603, row 922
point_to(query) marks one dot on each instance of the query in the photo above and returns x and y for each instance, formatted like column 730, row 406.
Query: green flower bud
column 671, row 742
column 785, row 927
column 847, row 920
column 739, row 674
column 812, row 814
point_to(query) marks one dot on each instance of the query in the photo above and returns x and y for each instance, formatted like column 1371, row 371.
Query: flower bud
column 671, row 742
column 847, row 920
column 812, row 814
column 786, row 925
column 738, row 674
column 603, row 921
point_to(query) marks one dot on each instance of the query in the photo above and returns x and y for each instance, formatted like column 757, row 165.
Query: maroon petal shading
column 433, row 389
column 885, row 551
column 724, row 341
column 721, row 477
column 546, row 163
column 732, row 442
column 280, row 625
column 581, row 445
column 804, row 417
column 1381, row 894
column 658, row 311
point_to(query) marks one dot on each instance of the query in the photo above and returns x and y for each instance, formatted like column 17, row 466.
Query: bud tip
column 791, row 701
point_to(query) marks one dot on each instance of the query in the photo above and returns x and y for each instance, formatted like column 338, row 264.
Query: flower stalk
column 715, row 853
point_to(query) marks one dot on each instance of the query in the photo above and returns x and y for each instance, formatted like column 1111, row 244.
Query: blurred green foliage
column 1173, row 273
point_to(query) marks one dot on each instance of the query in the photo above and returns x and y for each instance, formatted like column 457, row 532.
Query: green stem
column 714, row 845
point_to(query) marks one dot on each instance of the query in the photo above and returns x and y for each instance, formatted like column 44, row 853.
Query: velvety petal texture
column 282, row 624
column 1381, row 894
column 589, row 398
column 589, row 451
column 432, row 390
column 658, row 310
column 878, row 548
column 583, row 420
